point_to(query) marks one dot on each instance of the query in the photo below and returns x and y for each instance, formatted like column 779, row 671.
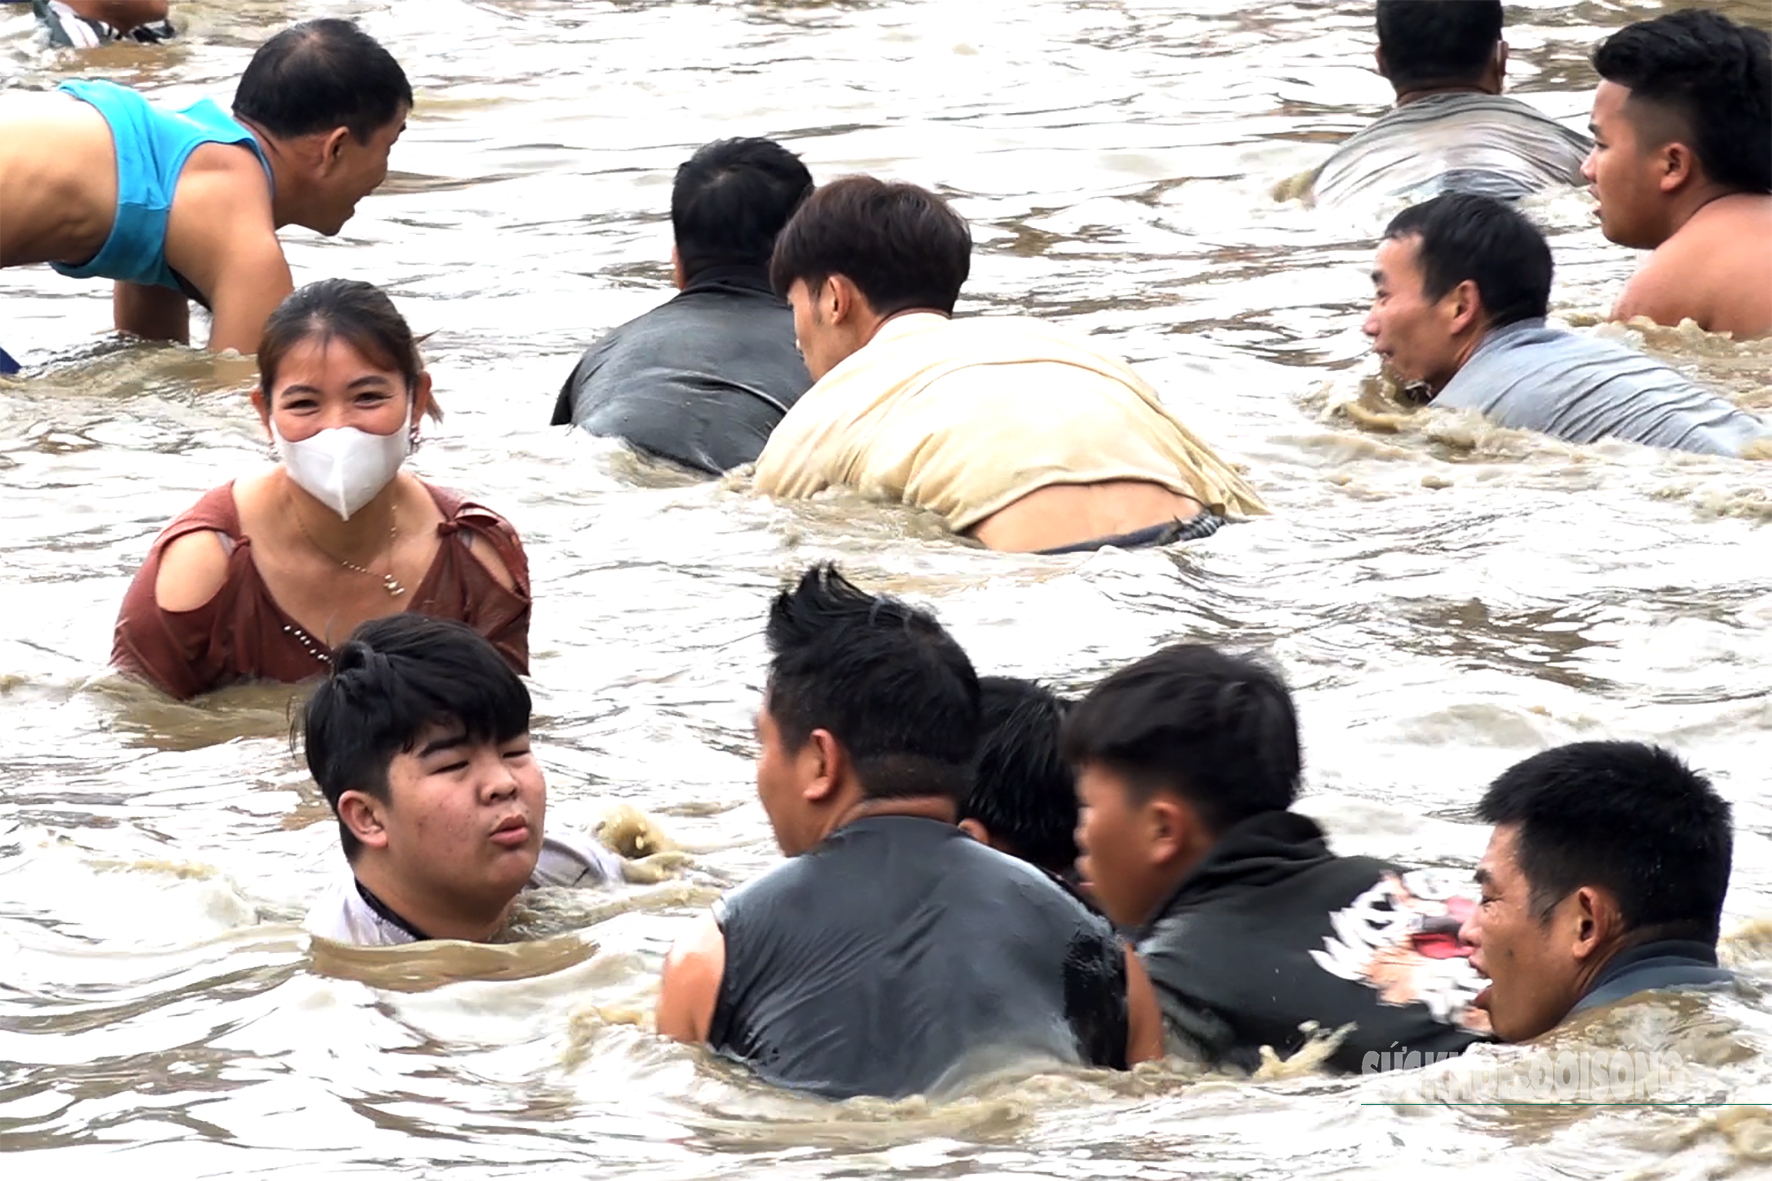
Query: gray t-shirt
column 1486, row 144
column 1579, row 388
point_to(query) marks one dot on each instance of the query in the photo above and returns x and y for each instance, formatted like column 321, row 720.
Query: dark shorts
column 7, row 364
column 1204, row 524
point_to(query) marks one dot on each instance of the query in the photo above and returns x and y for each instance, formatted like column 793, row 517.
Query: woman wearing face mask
column 261, row 577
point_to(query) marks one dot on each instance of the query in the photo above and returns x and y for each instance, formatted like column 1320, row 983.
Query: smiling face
column 1417, row 336
column 350, row 171
column 462, row 821
column 1534, row 973
column 1626, row 172
column 325, row 382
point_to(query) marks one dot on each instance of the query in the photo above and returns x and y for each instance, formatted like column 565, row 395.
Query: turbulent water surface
column 1445, row 598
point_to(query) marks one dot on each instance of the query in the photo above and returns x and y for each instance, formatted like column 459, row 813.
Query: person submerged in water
column 703, row 379
column 1023, row 798
column 1253, row 932
column 261, row 576
column 1682, row 165
column 88, row 24
column 182, row 205
column 1462, row 287
column 419, row 740
column 892, row 954
column 1452, row 130
column 1604, row 879
column 1019, row 433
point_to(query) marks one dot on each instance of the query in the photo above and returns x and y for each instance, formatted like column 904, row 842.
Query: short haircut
column 731, row 199
column 393, row 680
column 321, row 75
column 1023, row 792
column 1711, row 79
column 1462, row 236
column 1215, row 729
column 1625, row 816
column 882, row 677
column 1448, row 42
column 902, row 246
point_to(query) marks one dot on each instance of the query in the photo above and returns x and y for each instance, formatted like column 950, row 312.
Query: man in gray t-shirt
column 1463, row 284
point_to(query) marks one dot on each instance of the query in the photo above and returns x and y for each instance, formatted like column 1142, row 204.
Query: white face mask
column 343, row 467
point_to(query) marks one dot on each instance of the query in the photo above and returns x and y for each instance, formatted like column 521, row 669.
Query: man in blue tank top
column 892, row 954
column 179, row 205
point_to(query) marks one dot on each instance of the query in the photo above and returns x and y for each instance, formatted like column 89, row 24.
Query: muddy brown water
column 1444, row 597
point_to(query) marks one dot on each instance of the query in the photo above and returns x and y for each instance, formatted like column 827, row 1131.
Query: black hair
column 393, row 680
column 1625, row 816
column 1437, row 42
column 902, row 246
column 1022, row 791
column 1217, row 730
column 731, row 199
column 321, row 75
column 1713, row 76
column 1489, row 242
column 882, row 677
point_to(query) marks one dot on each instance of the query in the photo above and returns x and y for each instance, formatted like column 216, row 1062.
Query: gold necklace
column 388, row 581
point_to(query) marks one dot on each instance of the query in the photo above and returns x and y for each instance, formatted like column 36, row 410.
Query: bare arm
column 690, row 986
column 1144, row 1020
column 122, row 15
column 221, row 238
column 152, row 313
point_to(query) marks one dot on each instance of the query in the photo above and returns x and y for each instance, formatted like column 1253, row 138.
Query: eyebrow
column 1378, row 276
column 367, row 379
column 447, row 742
column 1483, row 876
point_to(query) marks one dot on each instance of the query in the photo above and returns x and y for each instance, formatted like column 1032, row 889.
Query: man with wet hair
column 1254, row 933
column 419, row 740
column 1451, row 130
column 1682, row 165
column 1023, row 798
column 184, row 205
column 1019, row 434
column 1604, row 879
column 1462, row 287
column 703, row 379
column 892, row 954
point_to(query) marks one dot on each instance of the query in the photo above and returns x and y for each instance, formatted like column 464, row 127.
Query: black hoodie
column 1272, row 931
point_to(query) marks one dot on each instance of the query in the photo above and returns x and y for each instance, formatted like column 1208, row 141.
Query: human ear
column 1676, row 166
column 1167, row 829
column 362, row 814
column 261, row 402
column 677, row 277
column 1465, row 304
column 975, row 830
column 825, row 757
column 333, row 149
column 421, row 399
column 1593, row 919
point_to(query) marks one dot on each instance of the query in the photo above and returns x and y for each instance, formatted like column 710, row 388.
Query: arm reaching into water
column 690, row 986
column 1144, row 1019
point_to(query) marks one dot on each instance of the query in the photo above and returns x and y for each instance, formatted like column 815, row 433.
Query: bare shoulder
column 193, row 570
column 486, row 553
column 690, row 985
column 1670, row 286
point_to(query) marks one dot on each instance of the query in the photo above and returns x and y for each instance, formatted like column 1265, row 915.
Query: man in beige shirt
column 1019, row 433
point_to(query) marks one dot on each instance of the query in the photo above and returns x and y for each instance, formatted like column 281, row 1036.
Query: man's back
column 900, row 955
column 700, row 381
column 1272, row 931
column 1531, row 377
column 1490, row 145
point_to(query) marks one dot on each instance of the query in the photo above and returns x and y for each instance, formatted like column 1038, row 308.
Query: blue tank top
column 152, row 147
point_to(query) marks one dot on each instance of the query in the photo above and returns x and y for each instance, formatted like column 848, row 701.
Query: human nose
column 1587, row 166
column 1370, row 327
column 1470, row 932
column 497, row 781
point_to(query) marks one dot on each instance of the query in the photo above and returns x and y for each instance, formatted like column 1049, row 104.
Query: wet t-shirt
column 348, row 912
column 900, row 956
column 1485, row 144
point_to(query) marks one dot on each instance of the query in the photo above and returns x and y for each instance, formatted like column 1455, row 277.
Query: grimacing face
column 1534, row 979
column 1410, row 331
column 464, row 819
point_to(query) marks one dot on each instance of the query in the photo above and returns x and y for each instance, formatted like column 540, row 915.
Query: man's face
column 783, row 777
column 1412, row 333
column 1115, row 835
column 464, row 819
column 1623, row 173
column 358, row 171
column 822, row 343
column 1533, row 974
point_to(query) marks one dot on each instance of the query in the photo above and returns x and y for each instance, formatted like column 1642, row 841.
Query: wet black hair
column 882, row 677
column 1217, row 730
column 393, row 680
column 902, row 246
column 1463, row 236
column 731, row 199
column 1711, row 80
column 1022, row 791
column 321, row 75
column 1625, row 816
column 1437, row 42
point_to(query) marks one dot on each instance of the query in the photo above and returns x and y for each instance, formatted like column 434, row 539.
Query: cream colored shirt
column 966, row 417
